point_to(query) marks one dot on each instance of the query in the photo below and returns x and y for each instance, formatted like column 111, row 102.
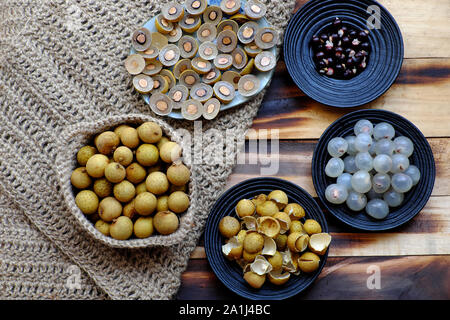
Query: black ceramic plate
column 422, row 157
column 385, row 60
column 228, row 271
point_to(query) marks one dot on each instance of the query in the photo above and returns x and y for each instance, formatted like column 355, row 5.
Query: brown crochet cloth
column 61, row 63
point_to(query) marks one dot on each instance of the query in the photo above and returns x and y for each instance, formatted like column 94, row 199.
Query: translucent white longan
column 334, row 167
column 336, row 193
column 337, row 147
column 361, row 181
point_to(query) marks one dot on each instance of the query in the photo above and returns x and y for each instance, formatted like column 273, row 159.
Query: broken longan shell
column 319, row 243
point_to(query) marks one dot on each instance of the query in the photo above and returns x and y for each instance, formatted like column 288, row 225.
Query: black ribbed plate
column 228, row 271
column 385, row 60
column 422, row 157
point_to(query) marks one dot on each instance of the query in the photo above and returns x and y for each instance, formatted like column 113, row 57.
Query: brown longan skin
column 157, row 183
column 103, row 227
column 178, row 202
column 145, row 203
column 229, row 226
column 308, row 262
column 312, row 226
column 96, row 165
column 84, row 154
column 178, row 174
column 129, row 210
column 123, row 155
column 150, row 132
column 170, row 151
column 253, row 242
column 135, row 173
column 147, row 155
column 124, row 191
column 109, row 209
column 103, row 188
column 254, row 280
column 121, row 228
column 80, row 179
column 129, row 137
column 106, row 142
column 87, row 201
column 165, row 222
column 143, row 227
column 115, row 172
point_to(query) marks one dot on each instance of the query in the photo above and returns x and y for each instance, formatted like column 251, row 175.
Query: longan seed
column 84, row 154
column 121, row 228
column 149, row 132
column 124, row 191
column 123, row 155
column 96, row 165
column 129, row 137
column 87, row 201
column 143, row 227
column 103, row 188
column 267, row 37
column 136, row 173
column 165, row 222
column 107, row 142
column 115, row 172
column 157, row 183
column 147, row 155
column 109, row 209
column 80, row 178
column 145, row 203
column 178, row 202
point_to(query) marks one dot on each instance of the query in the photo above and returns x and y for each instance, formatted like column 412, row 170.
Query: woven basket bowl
column 79, row 135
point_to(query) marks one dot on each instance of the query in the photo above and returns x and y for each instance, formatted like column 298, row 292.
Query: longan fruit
column 157, row 183
column 267, row 208
column 281, row 241
column 229, row 226
column 96, row 165
column 129, row 137
column 165, row 222
column 120, row 128
column 254, row 280
column 115, row 172
column 87, row 201
column 279, row 197
column 174, row 188
column 145, row 203
column 308, row 262
column 107, row 142
column 80, row 178
column 162, row 203
column 161, row 142
column 253, row 242
column 129, row 210
column 103, row 227
column 295, row 211
column 296, row 226
column 149, row 132
column 157, row 167
column 84, row 154
column 109, row 209
column 136, row 173
column 124, row 191
column 147, row 155
column 121, row 228
column 178, row 202
column 123, row 155
column 178, row 174
column 276, row 261
column 141, row 188
column 103, row 188
column 245, row 208
column 170, row 151
column 311, row 226
column 143, row 227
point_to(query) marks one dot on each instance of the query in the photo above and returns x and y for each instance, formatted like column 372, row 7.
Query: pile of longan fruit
column 132, row 181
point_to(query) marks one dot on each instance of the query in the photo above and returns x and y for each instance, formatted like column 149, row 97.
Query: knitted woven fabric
column 61, row 64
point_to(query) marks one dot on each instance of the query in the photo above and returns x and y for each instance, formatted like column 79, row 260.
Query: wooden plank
column 411, row 277
column 420, row 94
column 295, row 164
column 424, row 25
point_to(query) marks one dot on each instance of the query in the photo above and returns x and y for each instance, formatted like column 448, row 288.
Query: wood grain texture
column 420, row 94
column 411, row 277
column 424, row 25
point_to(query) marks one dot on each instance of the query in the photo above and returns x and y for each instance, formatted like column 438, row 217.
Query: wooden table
column 414, row 259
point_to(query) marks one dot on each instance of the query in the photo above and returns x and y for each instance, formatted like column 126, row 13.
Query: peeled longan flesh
column 157, row 183
column 229, row 226
column 253, row 242
column 80, row 178
column 96, row 165
column 145, row 203
column 268, row 208
column 109, row 209
column 136, row 173
column 149, row 132
column 121, row 228
column 87, row 201
column 178, row 174
column 115, row 172
column 84, row 154
column 162, row 203
column 245, row 208
column 129, row 137
column 254, row 280
column 308, row 262
column 312, row 226
column 103, row 188
column 103, row 227
column 170, row 151
column 123, row 155
column 178, row 202
column 143, row 227
column 124, row 191
column 107, row 142
column 129, row 210
column 147, row 155
column 165, row 222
